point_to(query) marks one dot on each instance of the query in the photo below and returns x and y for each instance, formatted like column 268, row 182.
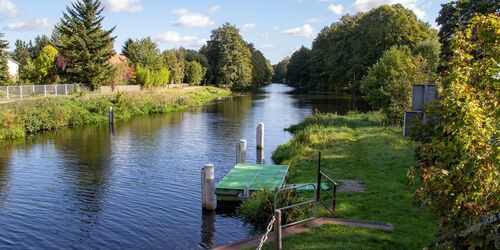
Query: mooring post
column 209, row 201
column 277, row 229
column 246, row 192
column 260, row 136
column 241, row 151
column 318, row 181
column 260, row 156
column 111, row 116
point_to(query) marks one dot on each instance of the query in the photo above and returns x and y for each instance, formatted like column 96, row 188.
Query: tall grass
column 19, row 119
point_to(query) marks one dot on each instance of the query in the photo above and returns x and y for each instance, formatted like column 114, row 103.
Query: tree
column 259, row 66
column 85, row 44
column 4, row 69
column 45, row 65
column 430, row 50
column 389, row 82
column 269, row 71
column 143, row 52
column 21, row 52
column 458, row 176
column 174, row 61
column 281, row 70
column 152, row 78
column 194, row 73
column 230, row 60
column 298, row 69
column 456, row 14
column 37, row 47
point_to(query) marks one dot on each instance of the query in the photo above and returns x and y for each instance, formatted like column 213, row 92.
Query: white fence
column 26, row 91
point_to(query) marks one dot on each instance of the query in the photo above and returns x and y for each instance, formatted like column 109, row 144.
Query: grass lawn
column 358, row 147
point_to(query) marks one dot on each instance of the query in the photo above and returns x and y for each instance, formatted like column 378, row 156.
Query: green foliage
column 20, row 119
column 281, row 70
column 152, row 78
column 194, row 73
column 458, row 176
column 389, row 82
column 298, row 69
column 259, row 209
column 456, row 14
column 174, row 60
column 430, row 51
column 85, row 44
column 4, row 70
column 342, row 53
column 44, row 65
column 143, row 52
column 230, row 60
column 260, row 71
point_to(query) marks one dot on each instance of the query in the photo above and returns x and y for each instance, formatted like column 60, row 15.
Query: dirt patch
column 351, row 186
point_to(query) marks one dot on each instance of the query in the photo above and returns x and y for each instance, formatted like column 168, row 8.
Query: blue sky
column 276, row 27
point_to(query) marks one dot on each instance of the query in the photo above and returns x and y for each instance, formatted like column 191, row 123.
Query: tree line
column 79, row 51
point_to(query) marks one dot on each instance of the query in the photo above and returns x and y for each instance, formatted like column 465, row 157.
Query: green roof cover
column 255, row 176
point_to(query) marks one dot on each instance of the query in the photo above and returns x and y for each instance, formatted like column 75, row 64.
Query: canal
column 139, row 186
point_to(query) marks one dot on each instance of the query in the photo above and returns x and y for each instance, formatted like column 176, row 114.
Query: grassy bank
column 358, row 147
column 19, row 119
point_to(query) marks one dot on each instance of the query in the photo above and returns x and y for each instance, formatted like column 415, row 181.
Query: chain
column 269, row 228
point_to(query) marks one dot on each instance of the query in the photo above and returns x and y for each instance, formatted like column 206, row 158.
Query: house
column 13, row 68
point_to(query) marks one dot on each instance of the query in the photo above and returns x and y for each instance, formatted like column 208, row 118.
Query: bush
column 389, row 82
column 259, row 209
column 152, row 78
column 458, row 175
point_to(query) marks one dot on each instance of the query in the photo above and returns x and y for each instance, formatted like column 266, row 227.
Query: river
column 139, row 187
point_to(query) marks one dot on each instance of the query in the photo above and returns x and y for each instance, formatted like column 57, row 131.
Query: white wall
column 13, row 68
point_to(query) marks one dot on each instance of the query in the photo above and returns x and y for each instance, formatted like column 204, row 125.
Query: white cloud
column 8, row 9
column 214, row 9
column 315, row 20
column 189, row 19
column 39, row 24
column 366, row 5
column 335, row 8
column 305, row 31
column 268, row 47
column 123, row 6
column 178, row 40
column 247, row 26
column 265, row 35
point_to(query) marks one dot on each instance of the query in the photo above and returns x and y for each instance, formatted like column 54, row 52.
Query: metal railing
column 316, row 199
column 27, row 91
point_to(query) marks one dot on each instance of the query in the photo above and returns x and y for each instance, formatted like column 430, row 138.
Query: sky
column 276, row 27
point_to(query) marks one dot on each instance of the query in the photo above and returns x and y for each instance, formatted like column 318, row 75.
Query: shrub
column 458, row 175
column 259, row 209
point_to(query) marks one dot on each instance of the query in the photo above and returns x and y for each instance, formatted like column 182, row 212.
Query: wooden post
column 246, row 192
column 111, row 116
column 277, row 229
column 242, row 154
column 208, row 200
column 260, row 156
column 260, row 135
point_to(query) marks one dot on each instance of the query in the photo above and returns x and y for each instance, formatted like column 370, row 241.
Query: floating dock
column 254, row 176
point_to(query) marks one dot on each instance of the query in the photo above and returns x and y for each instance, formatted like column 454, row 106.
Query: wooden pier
column 246, row 178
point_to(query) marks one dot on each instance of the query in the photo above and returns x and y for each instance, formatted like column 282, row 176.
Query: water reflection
column 136, row 185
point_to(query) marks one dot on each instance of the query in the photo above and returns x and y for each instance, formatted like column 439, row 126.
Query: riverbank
column 358, row 147
column 22, row 118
